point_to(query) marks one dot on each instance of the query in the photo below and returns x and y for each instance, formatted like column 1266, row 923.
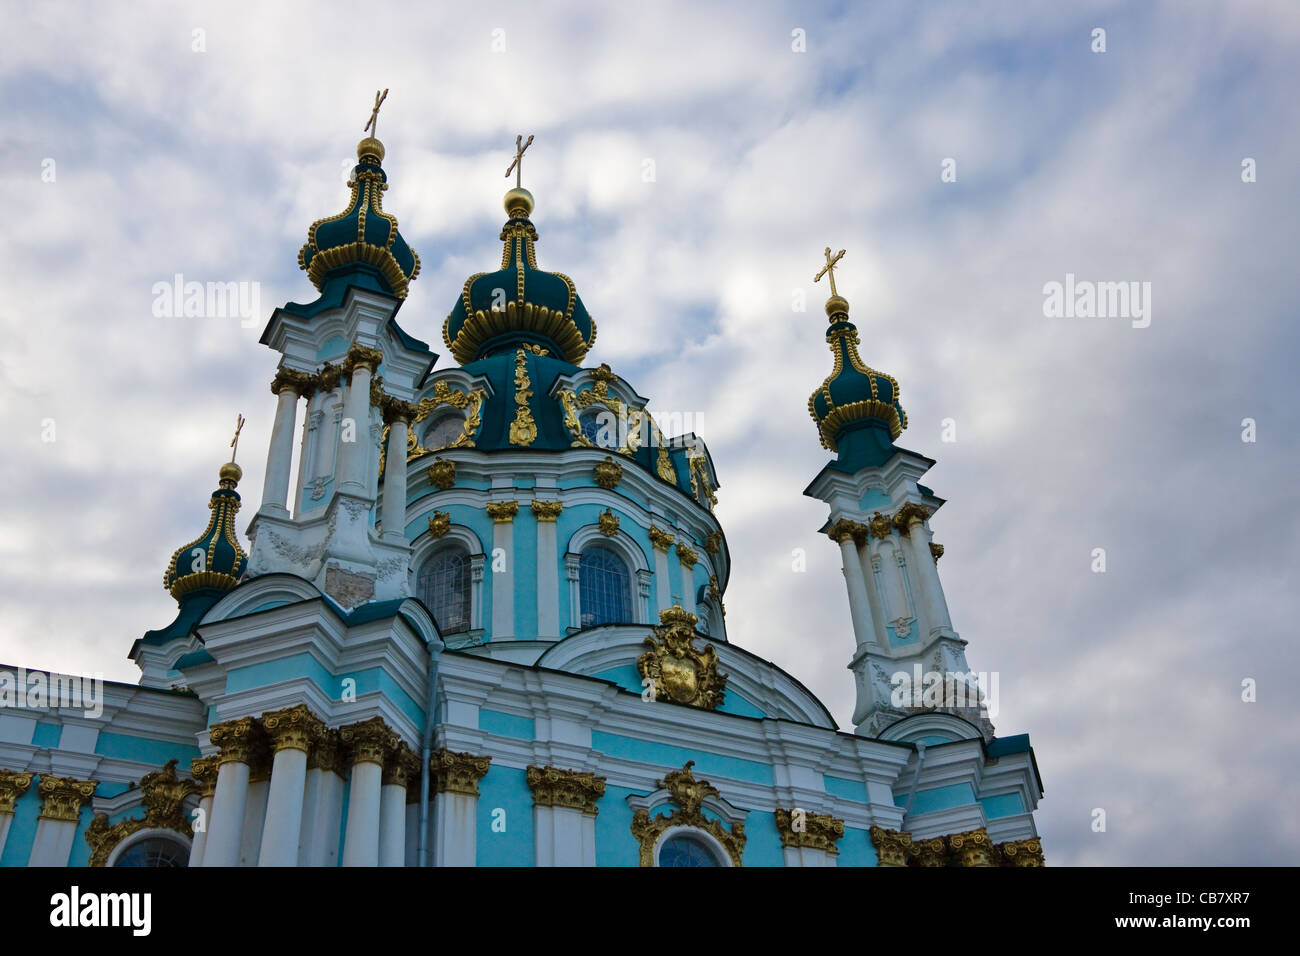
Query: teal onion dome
column 363, row 234
column 519, row 304
column 213, row 561
column 854, row 396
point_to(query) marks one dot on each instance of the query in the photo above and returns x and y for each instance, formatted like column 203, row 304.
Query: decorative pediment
column 691, row 798
column 164, row 796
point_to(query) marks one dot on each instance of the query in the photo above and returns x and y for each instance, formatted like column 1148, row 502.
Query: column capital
column 661, row 539
column 328, row 378
column 399, row 766
column 204, row 771
column 238, row 741
column 936, row 551
column 972, row 848
column 892, row 846
column 546, row 510
column 687, row 557
column 846, row 530
column 457, row 772
column 327, row 754
column 502, row 512
column 13, row 784
column 908, row 515
column 931, row 852
column 813, row 831
column 574, row 789
column 361, row 356
column 713, row 542
column 1021, row 852
column 370, row 741
column 291, row 380
column 396, row 410
column 293, row 728
column 63, row 797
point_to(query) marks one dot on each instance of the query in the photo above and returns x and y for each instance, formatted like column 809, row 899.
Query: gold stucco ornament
column 677, row 670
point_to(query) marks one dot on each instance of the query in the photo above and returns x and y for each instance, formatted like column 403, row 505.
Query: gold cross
column 234, row 442
column 373, row 123
column 517, row 167
column 829, row 271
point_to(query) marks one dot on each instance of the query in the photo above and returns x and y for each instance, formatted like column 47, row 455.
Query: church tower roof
column 214, row 561
column 519, row 304
column 856, row 409
column 362, row 236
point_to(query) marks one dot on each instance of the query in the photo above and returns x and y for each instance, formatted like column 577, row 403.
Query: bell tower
column 907, row 660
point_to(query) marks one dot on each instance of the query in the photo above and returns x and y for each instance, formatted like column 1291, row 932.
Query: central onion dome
column 362, row 235
column 857, row 408
column 213, row 561
column 519, row 303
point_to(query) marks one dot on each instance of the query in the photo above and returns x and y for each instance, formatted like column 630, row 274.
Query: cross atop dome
column 519, row 201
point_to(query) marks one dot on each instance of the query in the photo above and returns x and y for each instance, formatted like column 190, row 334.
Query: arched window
column 443, row 430
column 444, row 585
column 683, row 849
column 605, row 587
column 154, row 851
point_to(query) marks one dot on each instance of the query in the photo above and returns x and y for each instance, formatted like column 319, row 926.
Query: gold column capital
column 574, row 789
column 63, row 797
column 457, row 772
column 1021, row 852
column 297, row 382
column 546, row 510
column 361, row 356
column 396, row 410
column 661, row 539
column 502, row 512
column 908, row 515
column 846, row 530
column 238, row 741
column 972, row 848
column 814, row 831
column 204, row 771
column 13, row 784
column 328, row 378
column 369, row 741
column 686, row 555
column 892, row 846
column 293, row 728
column 328, row 754
column 881, row 525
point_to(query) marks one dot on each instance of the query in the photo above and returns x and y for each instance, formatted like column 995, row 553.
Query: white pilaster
column 393, row 513
column 503, row 581
column 454, row 829
column 548, row 573
column 361, row 840
column 564, row 836
column 926, row 570
column 200, row 840
column 572, row 571
column 354, row 455
column 856, row 583
column 254, row 820
column 392, row 825
column 53, row 843
column 663, row 586
column 226, row 821
column 284, row 808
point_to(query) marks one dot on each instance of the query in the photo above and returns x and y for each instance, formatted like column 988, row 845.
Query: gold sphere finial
column 837, row 305
column 518, row 203
column 370, row 148
column 229, row 475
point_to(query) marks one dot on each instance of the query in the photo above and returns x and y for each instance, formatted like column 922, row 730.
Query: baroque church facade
column 481, row 623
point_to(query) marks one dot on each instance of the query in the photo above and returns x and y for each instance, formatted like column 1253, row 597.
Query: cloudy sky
column 134, row 148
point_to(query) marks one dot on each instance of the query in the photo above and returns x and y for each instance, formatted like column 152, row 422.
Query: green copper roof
column 214, row 560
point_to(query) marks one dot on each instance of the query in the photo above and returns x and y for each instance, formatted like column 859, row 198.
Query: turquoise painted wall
column 615, row 844
column 938, row 798
column 856, row 849
column 304, row 665
column 670, row 757
column 506, row 725
column 505, row 788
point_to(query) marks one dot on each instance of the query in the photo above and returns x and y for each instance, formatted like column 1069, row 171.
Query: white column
column 354, row 456
column 503, row 581
column 564, row 815
column 311, row 420
column 275, row 487
column 323, row 807
column 361, row 840
column 259, row 789
column 687, row 557
column 392, row 825
column 476, row 562
column 807, row 856
column 283, row 827
column 61, row 801
column 372, row 742
column 455, row 827
column 201, row 836
column 927, row 577
column 873, row 593
column 548, row 570
column 6, row 818
column 226, row 821
column 572, row 571
column 14, row 784
column 662, row 541
column 855, row 581
column 393, row 513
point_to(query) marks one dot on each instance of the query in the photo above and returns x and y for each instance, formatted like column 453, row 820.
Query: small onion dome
column 214, row 560
column 519, row 304
column 854, row 397
column 363, row 234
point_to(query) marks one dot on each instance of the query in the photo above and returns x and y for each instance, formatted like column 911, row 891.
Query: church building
column 477, row 619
